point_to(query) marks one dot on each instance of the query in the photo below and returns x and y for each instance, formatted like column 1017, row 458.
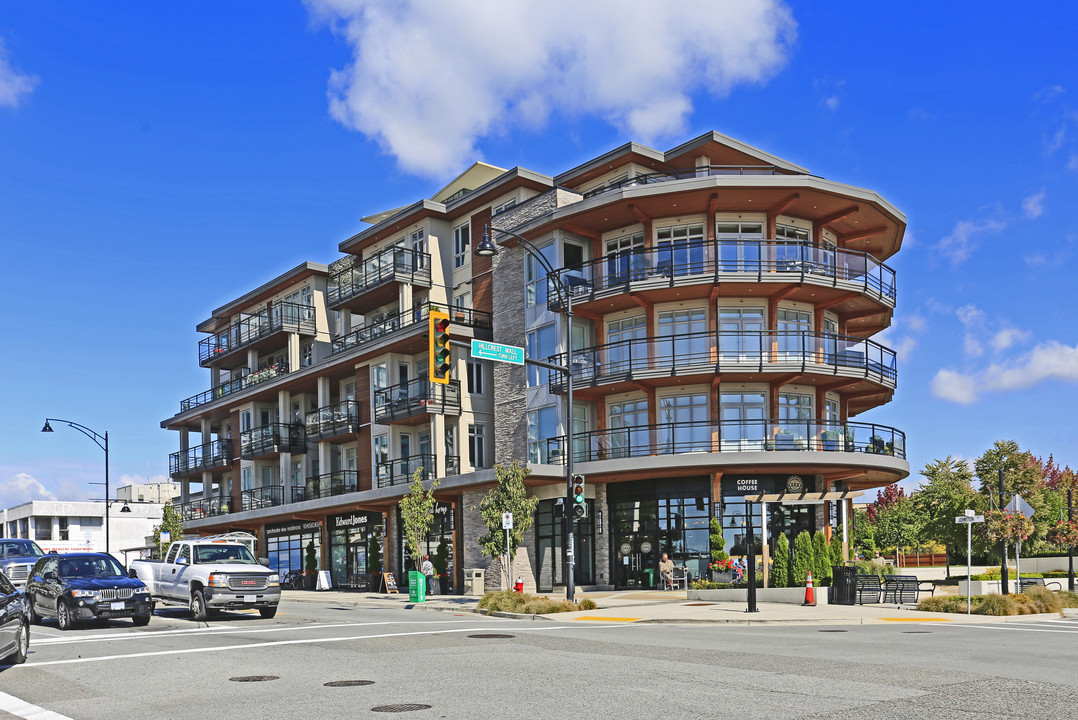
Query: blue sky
column 157, row 161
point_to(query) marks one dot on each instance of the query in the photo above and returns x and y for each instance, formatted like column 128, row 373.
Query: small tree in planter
column 310, row 566
column 803, row 559
column 780, row 569
column 821, row 571
column 509, row 495
column 374, row 555
column 440, row 561
column 718, row 542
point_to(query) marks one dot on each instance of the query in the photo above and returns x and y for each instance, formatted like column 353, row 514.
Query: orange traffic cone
column 810, row 596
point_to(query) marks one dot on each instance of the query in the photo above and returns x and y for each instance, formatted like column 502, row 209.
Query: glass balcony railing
column 764, row 351
column 416, row 319
column 394, row 264
column 399, row 472
column 332, row 421
column 273, row 438
column 685, row 174
column 279, row 317
column 672, row 264
column 208, row 456
column 327, row 485
column 415, row 398
column 731, row 436
column 248, row 379
column 203, row 507
column 262, row 497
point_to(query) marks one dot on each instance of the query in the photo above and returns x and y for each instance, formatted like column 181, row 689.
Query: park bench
column 868, row 585
column 905, row 588
column 1034, row 582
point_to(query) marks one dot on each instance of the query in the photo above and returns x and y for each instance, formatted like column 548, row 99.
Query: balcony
column 280, row 317
column 371, row 280
column 399, row 472
column 203, row 507
column 416, row 320
column 759, row 261
column 262, row 497
column 730, row 353
column 271, row 440
column 410, row 403
column 327, row 485
column 332, row 422
column 733, row 436
column 247, row 380
column 196, row 460
column 685, row 174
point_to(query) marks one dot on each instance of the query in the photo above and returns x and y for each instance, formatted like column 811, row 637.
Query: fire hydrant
column 518, row 586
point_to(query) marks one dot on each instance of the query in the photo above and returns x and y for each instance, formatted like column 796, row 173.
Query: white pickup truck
column 208, row 574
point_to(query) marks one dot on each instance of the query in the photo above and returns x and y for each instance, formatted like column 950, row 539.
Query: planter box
column 788, row 596
column 722, row 576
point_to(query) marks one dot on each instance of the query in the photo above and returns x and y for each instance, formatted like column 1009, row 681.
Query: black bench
column 905, row 588
column 1038, row 582
column 868, row 585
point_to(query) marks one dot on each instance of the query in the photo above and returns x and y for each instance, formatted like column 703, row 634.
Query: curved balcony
column 732, row 436
column 412, row 402
column 371, row 280
column 247, row 380
column 327, row 485
column 399, row 472
column 415, row 320
column 196, row 460
column 281, row 317
column 271, row 440
column 685, row 174
column 762, row 261
column 730, row 353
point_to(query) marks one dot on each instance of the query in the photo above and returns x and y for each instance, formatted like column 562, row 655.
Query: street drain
column 832, row 631
column 402, row 707
column 254, row 678
column 491, row 636
column 348, row 683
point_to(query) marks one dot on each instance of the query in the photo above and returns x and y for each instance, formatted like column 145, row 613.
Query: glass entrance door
column 637, row 557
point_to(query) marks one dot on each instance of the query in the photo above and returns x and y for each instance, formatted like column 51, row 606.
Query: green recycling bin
column 649, row 578
column 417, row 587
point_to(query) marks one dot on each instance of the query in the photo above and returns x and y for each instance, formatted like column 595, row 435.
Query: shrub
column 996, row 605
column 718, row 542
column 943, row 603
column 836, row 550
column 868, row 567
column 708, row 585
column 780, row 570
column 1068, row 599
column 821, row 570
column 508, row 601
column 803, row 559
column 1044, row 600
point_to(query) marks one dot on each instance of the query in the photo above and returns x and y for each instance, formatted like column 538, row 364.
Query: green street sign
column 484, row 350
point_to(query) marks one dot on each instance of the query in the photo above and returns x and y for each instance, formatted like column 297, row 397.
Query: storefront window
column 438, row 544
column 286, row 545
column 356, row 549
column 550, row 546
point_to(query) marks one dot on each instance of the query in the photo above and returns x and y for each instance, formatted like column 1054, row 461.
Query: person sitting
column 666, row 571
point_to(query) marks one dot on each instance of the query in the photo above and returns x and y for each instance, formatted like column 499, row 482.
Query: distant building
column 162, row 492
column 72, row 526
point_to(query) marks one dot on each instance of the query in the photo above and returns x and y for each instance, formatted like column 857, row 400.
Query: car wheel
column 63, row 616
column 198, row 605
column 140, row 620
column 35, row 619
column 22, row 646
column 267, row 612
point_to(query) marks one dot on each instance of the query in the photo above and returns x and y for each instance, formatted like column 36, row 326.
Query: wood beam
column 639, row 214
column 864, row 313
column 864, row 394
column 588, row 315
column 845, row 240
column 834, row 217
column 643, row 302
column 775, row 210
column 833, row 386
column 828, row 304
column 583, row 232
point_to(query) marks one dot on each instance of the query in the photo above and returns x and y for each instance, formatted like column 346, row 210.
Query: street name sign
column 964, row 519
column 484, row 350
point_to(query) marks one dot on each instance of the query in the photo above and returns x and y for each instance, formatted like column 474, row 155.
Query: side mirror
column 264, row 562
column 50, row 575
column 132, row 573
column 181, row 561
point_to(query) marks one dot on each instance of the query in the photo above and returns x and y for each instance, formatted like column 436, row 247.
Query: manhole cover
column 697, row 604
column 916, row 632
column 402, row 707
column 348, row 683
column 491, row 636
column 832, row 631
column 254, row 678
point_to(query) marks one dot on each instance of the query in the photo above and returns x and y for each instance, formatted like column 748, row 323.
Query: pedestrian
column 666, row 572
column 427, row 568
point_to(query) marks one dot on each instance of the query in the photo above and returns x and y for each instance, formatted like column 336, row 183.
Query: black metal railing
column 685, row 174
column 327, row 485
column 208, row 456
column 375, row 331
column 203, row 507
column 415, row 398
column 281, row 316
column 248, row 379
column 393, row 264
column 806, row 352
column 262, row 497
column 333, row 420
column 729, row 260
column 272, row 438
column 729, row 436
column 399, row 471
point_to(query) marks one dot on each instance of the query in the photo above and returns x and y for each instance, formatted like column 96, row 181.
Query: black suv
column 85, row 586
column 14, row 624
column 17, row 557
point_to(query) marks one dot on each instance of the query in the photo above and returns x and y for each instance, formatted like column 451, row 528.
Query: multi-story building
column 724, row 302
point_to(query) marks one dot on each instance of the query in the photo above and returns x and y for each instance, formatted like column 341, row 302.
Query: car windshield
column 90, row 567
column 223, row 554
column 20, row 548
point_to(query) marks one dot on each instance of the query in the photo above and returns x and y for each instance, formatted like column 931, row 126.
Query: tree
column 885, row 498
column 803, row 558
column 417, row 515
column 821, row 553
column 864, row 530
column 947, row 494
column 509, row 495
column 374, row 555
column 780, row 569
column 172, row 523
column 899, row 525
column 1023, row 475
column 836, row 548
column 718, row 542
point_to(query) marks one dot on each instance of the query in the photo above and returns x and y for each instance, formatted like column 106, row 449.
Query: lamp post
column 103, row 443
column 487, row 248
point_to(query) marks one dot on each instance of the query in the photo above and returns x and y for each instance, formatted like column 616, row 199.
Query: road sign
column 507, row 521
column 969, row 519
column 1020, row 506
column 484, row 350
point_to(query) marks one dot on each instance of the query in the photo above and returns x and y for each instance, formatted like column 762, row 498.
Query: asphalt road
column 177, row 668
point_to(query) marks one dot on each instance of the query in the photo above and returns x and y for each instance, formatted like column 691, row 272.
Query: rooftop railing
column 280, row 317
column 393, row 264
column 685, row 174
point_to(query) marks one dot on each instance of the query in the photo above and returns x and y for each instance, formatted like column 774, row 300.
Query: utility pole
column 1003, row 543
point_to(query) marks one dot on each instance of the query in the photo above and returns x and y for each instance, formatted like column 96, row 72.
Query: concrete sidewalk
column 670, row 607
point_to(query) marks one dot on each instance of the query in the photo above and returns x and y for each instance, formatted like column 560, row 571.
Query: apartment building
column 724, row 302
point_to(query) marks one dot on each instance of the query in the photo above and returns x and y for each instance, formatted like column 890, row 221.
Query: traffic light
column 438, row 334
column 580, row 505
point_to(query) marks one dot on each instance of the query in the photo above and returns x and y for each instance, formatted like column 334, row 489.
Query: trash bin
column 649, row 578
column 474, row 581
column 844, row 585
column 417, row 587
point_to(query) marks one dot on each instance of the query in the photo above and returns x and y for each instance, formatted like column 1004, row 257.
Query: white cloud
column 953, row 386
column 141, row 480
column 21, row 488
column 13, row 84
column 964, row 238
column 1047, row 362
column 1033, row 206
column 1072, row 164
column 1009, row 336
column 428, row 80
column 832, row 103
column 1057, row 140
column 973, row 319
column 1037, row 260
column 1050, row 92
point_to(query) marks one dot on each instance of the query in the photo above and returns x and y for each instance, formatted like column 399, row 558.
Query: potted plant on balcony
column 784, row 440
column 830, row 440
column 310, row 567
column 875, row 445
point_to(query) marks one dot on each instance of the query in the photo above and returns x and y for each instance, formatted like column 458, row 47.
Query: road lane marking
column 917, row 620
column 606, row 619
column 21, row 708
column 1012, row 626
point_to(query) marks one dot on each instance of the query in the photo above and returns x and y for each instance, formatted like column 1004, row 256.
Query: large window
column 739, row 246
column 475, row 378
column 681, row 250
column 628, row 428
column 477, row 445
column 542, row 343
column 461, row 243
column 418, row 240
column 684, row 337
column 743, row 415
column 792, row 324
column 624, row 255
column 741, row 333
column 626, row 341
column 683, row 423
column 550, row 547
column 542, row 424
column 537, row 284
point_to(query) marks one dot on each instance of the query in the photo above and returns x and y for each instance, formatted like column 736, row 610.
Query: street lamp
column 487, row 248
column 103, row 443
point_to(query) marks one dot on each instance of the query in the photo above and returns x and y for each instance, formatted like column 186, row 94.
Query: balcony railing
column 280, row 317
column 685, row 174
column 758, row 260
column 376, row 331
column 399, row 472
column 327, row 485
column 333, row 420
column 262, row 497
column 806, row 352
column 273, row 438
column 233, row 386
column 416, row 397
column 394, row 264
column 203, row 507
column 208, row 456
column 730, row 436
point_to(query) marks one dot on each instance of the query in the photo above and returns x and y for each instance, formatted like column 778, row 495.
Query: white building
column 73, row 526
column 162, row 492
